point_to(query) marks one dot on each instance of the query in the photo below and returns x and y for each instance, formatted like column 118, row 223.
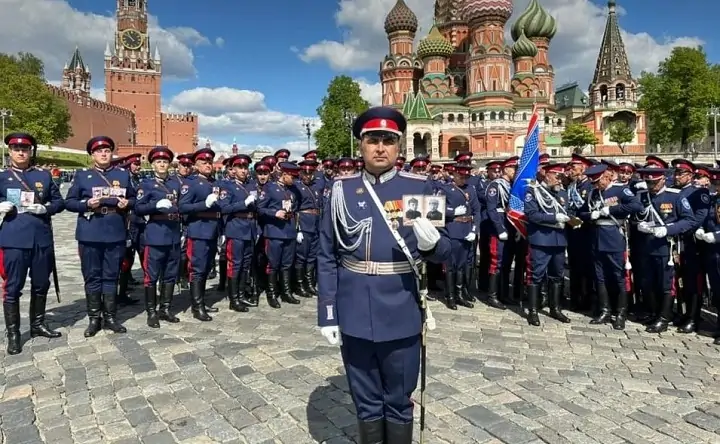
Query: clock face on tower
column 131, row 39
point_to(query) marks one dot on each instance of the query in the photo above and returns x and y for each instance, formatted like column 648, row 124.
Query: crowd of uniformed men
column 636, row 238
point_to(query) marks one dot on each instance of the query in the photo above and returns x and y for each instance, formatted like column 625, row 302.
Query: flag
column 527, row 171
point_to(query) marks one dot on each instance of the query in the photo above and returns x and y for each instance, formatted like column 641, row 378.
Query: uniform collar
column 662, row 190
column 21, row 170
column 103, row 170
column 384, row 177
column 161, row 179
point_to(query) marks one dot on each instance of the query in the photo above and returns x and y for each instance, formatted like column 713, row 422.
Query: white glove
column 332, row 334
column 163, row 203
column 460, row 211
column 699, row 234
column 641, row 185
column 470, row 237
column 644, row 227
column 36, row 209
column 605, row 211
column 211, row 199
column 562, row 218
column 250, row 199
column 6, row 207
column 709, row 238
column 427, row 235
column 299, row 238
column 503, row 236
column 659, row 232
column 595, row 215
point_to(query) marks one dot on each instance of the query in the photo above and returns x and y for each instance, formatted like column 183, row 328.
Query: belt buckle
column 104, row 211
column 173, row 216
column 218, row 215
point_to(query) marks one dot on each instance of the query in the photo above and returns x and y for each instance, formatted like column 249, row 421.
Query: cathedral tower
column 400, row 70
column 133, row 72
column 76, row 76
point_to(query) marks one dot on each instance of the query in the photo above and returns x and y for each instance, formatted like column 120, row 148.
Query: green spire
column 420, row 110
column 408, row 105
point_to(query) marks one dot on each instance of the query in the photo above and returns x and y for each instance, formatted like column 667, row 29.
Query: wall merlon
column 96, row 104
column 179, row 117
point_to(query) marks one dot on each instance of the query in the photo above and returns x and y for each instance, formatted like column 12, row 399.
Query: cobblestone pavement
column 268, row 377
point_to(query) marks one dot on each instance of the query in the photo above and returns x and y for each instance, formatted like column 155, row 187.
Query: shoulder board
column 533, row 184
column 121, row 168
column 672, row 190
column 39, row 169
column 84, row 169
column 411, row 175
column 352, row 176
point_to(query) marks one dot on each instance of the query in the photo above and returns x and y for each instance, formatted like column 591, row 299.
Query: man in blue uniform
column 580, row 261
column 668, row 216
column 278, row 205
column 310, row 202
column 28, row 200
column 237, row 204
column 345, row 166
column 368, row 297
column 157, row 199
column 136, row 225
column 199, row 204
column 709, row 235
column 102, row 196
column 263, row 173
column 184, row 173
column 606, row 210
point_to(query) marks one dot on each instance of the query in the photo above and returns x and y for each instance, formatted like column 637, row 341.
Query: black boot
column 662, row 323
column 233, row 294
column 183, row 273
column 553, row 299
column 450, row 291
column 469, row 283
column 94, row 307
column 622, row 310
column 311, row 273
column 694, row 311
column 372, row 432
column 603, row 309
column 109, row 313
column 493, row 289
column 12, row 327
column 38, row 327
column 197, row 300
column 222, row 276
column 151, row 307
column 459, row 290
column 533, row 298
column 123, row 298
column 307, row 281
column 299, row 283
column 213, row 270
column 286, row 287
column 246, row 291
column 166, row 297
column 398, row 433
column 273, row 290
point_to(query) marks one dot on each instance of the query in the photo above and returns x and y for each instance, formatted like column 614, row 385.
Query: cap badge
column 383, row 123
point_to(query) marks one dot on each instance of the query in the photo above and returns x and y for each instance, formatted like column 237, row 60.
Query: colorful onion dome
column 475, row 10
column 523, row 47
column 434, row 45
column 401, row 18
column 536, row 22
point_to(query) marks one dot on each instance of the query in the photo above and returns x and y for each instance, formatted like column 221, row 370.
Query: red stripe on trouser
column 189, row 253
column 229, row 257
column 528, row 267
column 493, row 255
column 146, row 259
column 3, row 274
column 628, row 273
column 268, row 268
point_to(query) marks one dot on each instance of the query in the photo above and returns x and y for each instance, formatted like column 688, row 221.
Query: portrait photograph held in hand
column 412, row 208
column 430, row 207
column 435, row 210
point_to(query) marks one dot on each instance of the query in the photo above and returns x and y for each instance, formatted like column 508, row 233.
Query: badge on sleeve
column 628, row 192
column 686, row 204
column 705, row 199
column 140, row 194
column 492, row 191
column 184, row 189
column 528, row 197
column 223, row 194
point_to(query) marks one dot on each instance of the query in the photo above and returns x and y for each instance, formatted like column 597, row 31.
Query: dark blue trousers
column 546, row 262
column 161, row 261
column 460, row 256
column 657, row 275
column 712, row 265
column 382, row 376
column 610, row 269
column 308, row 249
column 100, row 264
column 14, row 266
column 238, row 253
column 201, row 253
column 280, row 254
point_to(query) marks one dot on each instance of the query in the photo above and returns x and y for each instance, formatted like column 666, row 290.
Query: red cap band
column 346, row 163
column 20, row 141
column 99, row 143
column 204, row 156
column 380, row 125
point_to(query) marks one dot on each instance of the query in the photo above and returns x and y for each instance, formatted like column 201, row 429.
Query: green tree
column 621, row 133
column 343, row 96
column 577, row 136
column 676, row 99
column 35, row 109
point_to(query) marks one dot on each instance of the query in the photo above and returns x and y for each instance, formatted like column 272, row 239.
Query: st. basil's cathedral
column 464, row 88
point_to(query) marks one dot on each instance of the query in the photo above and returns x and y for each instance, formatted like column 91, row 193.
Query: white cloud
column 573, row 51
column 217, row 101
column 219, row 42
column 372, row 92
column 296, row 147
column 51, row 29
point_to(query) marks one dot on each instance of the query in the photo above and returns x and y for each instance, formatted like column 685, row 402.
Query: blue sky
column 289, row 50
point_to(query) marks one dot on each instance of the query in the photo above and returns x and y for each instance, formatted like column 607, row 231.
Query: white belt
column 376, row 268
column 500, row 210
column 605, row 223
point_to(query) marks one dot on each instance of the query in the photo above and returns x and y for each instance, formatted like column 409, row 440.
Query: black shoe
column 233, row 294
column 109, row 313
column 273, row 290
column 167, row 291
column 604, row 314
column 493, row 288
column 553, row 300
column 12, row 327
column 299, row 285
column 311, row 273
column 245, row 289
column 151, row 307
column 94, row 307
column 38, row 303
column 398, row 433
column 286, row 288
column 460, row 291
column 308, row 287
column 122, row 295
column 692, row 324
column 663, row 322
column 622, row 309
column 533, row 298
column 469, row 284
column 197, row 301
column 371, row 432
column 450, row 301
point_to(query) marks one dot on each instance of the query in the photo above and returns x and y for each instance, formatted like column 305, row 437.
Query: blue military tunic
column 238, row 206
column 459, row 227
column 501, row 232
column 310, row 204
column 547, row 238
column 203, row 224
column 280, row 234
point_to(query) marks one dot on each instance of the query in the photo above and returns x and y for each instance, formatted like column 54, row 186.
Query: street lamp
column 714, row 112
column 350, row 121
column 4, row 114
column 307, row 125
